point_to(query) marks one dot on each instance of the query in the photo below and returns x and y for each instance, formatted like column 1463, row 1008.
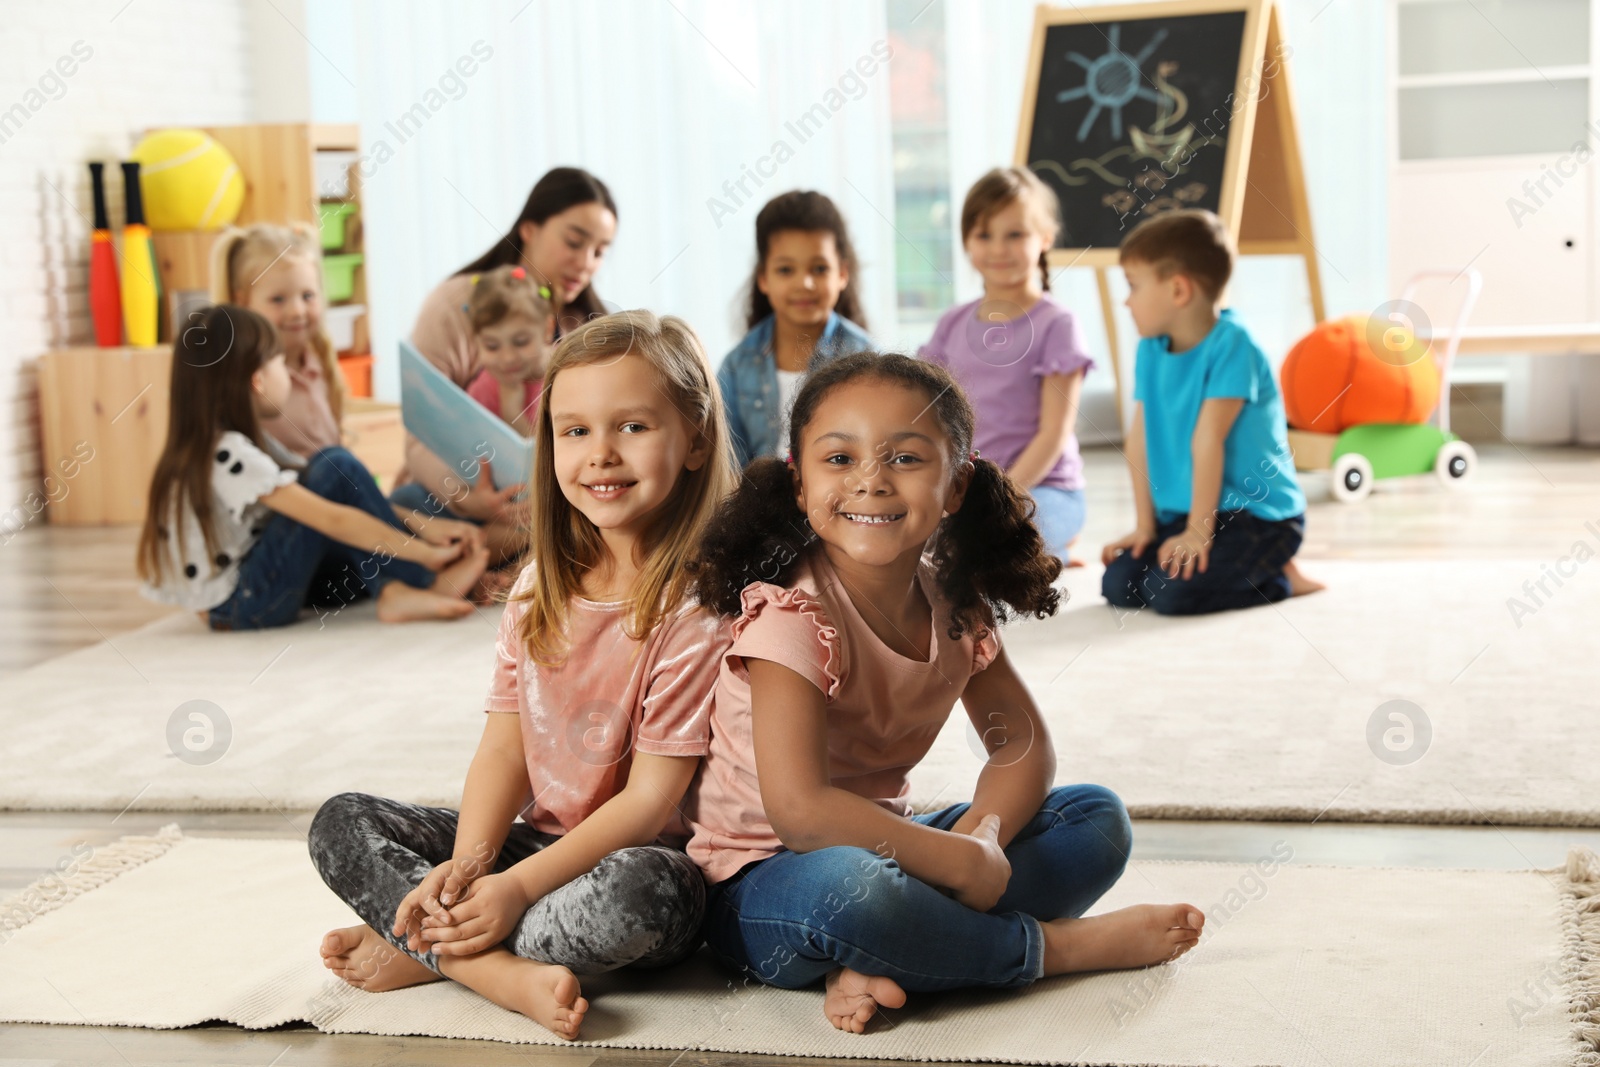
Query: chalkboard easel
column 1135, row 109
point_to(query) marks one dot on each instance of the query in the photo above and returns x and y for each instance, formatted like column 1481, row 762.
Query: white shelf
column 1512, row 76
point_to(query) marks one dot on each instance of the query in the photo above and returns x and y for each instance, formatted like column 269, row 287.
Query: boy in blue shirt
column 1220, row 512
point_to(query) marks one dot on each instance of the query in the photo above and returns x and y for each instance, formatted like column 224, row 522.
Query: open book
column 455, row 427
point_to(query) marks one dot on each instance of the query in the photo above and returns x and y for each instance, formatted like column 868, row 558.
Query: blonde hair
column 506, row 291
column 997, row 190
column 241, row 255
column 563, row 543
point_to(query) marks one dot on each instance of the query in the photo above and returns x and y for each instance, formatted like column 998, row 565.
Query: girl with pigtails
column 865, row 576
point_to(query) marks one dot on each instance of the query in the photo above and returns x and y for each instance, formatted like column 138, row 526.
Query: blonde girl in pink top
column 866, row 576
column 599, row 712
column 276, row 271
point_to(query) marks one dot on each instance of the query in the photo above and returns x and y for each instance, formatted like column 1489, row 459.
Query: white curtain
column 1337, row 69
column 668, row 102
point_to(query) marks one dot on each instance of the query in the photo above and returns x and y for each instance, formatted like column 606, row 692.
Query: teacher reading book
column 560, row 238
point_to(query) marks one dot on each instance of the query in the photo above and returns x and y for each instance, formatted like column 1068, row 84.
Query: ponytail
column 1044, row 270
column 989, row 556
column 757, row 535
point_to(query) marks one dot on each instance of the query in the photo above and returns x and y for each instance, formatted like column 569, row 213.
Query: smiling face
column 1005, row 247
column 288, row 294
column 619, row 444
column 515, row 348
column 874, row 474
column 803, row 277
column 565, row 250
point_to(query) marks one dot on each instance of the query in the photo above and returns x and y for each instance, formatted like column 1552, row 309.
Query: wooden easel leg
column 1108, row 309
column 1314, row 280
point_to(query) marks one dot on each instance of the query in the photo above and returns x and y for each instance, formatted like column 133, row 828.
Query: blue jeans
column 791, row 919
column 293, row 566
column 418, row 497
column 1059, row 515
column 1245, row 568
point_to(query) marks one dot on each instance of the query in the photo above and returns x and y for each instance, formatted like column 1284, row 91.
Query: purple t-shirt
column 1001, row 366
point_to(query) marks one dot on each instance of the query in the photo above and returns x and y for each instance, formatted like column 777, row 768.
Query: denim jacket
column 748, row 379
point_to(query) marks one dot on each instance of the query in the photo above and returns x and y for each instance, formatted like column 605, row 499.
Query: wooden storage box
column 103, row 414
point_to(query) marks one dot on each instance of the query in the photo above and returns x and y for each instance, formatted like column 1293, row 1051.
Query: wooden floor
column 62, row 589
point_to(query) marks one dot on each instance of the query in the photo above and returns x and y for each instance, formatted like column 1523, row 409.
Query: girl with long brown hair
column 803, row 311
column 243, row 532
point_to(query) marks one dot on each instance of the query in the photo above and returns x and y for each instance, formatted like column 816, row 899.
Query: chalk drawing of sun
column 1112, row 81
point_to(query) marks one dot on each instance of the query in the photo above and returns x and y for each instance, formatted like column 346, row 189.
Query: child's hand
column 986, row 882
column 483, row 501
column 1185, row 554
column 445, row 532
column 443, row 886
column 438, row 557
column 1135, row 542
column 493, row 906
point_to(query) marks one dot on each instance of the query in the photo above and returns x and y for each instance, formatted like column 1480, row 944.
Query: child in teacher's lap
column 866, row 578
column 513, row 325
column 1017, row 353
column 1220, row 512
column 566, row 857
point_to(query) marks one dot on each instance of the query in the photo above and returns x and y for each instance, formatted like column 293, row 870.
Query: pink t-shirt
column 306, row 424
column 883, row 709
column 485, row 389
column 1001, row 367
column 583, row 719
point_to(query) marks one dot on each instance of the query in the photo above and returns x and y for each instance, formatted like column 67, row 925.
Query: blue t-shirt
column 1257, row 467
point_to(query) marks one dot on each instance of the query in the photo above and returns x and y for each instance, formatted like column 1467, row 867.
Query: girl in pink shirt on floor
column 276, row 271
column 866, row 575
column 599, row 712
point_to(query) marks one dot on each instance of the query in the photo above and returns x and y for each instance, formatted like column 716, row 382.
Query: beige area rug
column 1299, row 966
column 1273, row 713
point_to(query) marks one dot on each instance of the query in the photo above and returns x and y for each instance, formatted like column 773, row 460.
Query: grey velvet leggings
column 639, row 907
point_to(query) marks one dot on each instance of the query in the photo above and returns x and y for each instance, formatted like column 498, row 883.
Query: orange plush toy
column 1356, row 371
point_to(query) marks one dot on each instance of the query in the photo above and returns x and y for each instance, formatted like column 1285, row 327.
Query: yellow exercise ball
column 189, row 181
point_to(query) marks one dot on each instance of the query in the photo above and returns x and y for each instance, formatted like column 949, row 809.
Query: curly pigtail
column 757, row 535
column 989, row 555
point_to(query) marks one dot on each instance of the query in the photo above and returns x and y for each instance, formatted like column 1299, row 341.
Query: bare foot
column 1299, row 584
column 399, row 602
column 547, row 993
column 853, row 998
column 359, row 956
column 1074, row 561
column 458, row 579
column 1139, row 936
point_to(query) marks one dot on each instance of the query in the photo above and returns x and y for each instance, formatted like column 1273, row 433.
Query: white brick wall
column 151, row 63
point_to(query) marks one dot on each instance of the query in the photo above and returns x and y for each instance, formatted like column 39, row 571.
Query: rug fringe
column 83, row 873
column 1581, row 954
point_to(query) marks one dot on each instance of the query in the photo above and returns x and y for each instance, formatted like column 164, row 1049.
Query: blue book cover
column 455, row 427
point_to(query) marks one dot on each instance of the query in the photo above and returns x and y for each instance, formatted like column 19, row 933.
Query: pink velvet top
column 884, row 710
column 306, row 425
column 485, row 389
column 583, row 719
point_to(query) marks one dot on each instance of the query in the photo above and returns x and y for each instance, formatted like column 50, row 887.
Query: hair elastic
column 973, row 455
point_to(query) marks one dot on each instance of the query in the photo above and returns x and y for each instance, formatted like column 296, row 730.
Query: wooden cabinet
column 103, row 415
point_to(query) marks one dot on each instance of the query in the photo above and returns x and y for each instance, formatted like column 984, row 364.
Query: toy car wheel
column 1352, row 477
column 1455, row 463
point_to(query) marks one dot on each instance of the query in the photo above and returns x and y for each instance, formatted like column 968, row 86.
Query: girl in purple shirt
column 1017, row 353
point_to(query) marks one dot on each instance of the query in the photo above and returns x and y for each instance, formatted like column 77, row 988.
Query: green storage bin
column 339, row 276
column 332, row 216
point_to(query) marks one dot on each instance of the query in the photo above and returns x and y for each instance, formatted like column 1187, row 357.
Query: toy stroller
column 1360, row 454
